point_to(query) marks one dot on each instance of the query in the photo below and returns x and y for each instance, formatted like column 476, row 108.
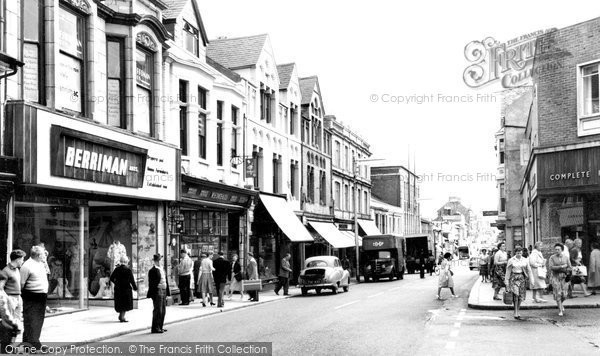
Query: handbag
column 580, row 271
column 238, row 276
column 252, row 285
column 507, row 298
column 542, row 272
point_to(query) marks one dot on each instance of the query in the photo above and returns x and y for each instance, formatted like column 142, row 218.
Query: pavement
column 101, row 323
column 482, row 297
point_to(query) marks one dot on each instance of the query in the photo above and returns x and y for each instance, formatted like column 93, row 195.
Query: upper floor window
column 293, row 112
column 183, row 115
column 143, row 120
column 202, row 94
column 590, row 98
column 234, row 133
column 265, row 105
column 337, row 156
column 190, row 36
column 71, row 64
column 33, row 50
column 115, row 82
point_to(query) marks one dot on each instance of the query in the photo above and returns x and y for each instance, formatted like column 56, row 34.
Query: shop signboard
column 79, row 155
column 568, row 169
column 205, row 192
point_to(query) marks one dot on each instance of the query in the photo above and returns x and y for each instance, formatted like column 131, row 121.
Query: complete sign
column 490, row 213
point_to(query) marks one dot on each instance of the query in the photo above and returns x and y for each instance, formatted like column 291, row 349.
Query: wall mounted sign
column 79, row 155
column 574, row 168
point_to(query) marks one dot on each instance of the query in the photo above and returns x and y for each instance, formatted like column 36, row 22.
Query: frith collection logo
column 509, row 63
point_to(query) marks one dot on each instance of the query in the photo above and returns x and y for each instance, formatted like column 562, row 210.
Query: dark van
column 382, row 257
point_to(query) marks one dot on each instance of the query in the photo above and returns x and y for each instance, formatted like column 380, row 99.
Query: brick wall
column 555, row 72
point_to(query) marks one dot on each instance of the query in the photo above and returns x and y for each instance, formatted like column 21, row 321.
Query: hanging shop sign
column 208, row 191
column 565, row 169
column 79, row 155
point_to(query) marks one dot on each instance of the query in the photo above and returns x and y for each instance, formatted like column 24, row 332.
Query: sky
column 365, row 53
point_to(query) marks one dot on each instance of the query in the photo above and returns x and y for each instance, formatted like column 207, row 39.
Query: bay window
column 33, row 78
column 70, row 62
column 143, row 118
column 115, row 82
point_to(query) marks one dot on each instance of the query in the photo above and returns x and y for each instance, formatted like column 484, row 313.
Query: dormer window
column 190, row 36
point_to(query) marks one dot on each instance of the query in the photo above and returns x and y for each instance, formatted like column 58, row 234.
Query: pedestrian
column 537, row 262
column 185, row 270
column 124, row 283
column 205, row 278
column 517, row 273
column 252, row 273
column 445, row 280
column 9, row 324
column 500, row 261
column 34, row 291
column 594, row 268
column 431, row 263
column 422, row 262
column 284, row 275
column 221, row 274
column 559, row 266
column 484, row 260
column 491, row 273
column 579, row 270
column 12, row 284
column 158, row 290
column 236, row 277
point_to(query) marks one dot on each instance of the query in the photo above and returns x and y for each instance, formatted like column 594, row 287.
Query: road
column 388, row 318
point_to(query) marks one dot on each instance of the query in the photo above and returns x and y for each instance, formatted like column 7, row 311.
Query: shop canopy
column 330, row 233
column 369, row 227
column 285, row 218
column 350, row 234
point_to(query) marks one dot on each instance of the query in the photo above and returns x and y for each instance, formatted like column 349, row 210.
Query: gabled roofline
column 202, row 29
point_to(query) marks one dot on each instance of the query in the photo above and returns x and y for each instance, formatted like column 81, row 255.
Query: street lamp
column 355, row 164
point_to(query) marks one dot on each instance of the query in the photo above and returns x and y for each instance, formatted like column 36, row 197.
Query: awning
column 330, row 233
column 285, row 218
column 350, row 234
column 369, row 227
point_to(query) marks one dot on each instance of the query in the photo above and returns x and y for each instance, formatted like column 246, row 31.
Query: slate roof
column 174, row 8
column 226, row 72
column 235, row 53
column 285, row 74
column 307, row 86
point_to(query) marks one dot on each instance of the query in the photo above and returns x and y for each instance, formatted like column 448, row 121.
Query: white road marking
column 450, row 345
column 375, row 295
column 345, row 305
column 454, row 333
column 457, row 325
column 483, row 317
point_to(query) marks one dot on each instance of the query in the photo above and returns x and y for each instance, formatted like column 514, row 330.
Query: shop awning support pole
column 81, row 256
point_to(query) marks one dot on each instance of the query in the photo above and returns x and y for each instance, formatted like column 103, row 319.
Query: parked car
column 474, row 263
column 323, row 272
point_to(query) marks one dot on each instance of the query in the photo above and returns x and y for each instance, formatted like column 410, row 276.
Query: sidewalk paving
column 482, row 297
column 101, row 323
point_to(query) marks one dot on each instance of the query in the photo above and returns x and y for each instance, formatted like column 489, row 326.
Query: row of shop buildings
column 548, row 146
column 125, row 131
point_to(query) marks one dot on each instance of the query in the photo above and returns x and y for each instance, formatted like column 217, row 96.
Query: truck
column 416, row 245
column 382, row 256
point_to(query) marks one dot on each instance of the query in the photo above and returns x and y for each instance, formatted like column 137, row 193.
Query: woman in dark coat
column 122, row 278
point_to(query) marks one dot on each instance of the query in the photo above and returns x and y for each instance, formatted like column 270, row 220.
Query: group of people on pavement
column 529, row 269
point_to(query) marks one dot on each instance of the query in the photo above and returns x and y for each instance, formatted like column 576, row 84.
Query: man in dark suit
column 284, row 275
column 221, row 274
column 158, row 289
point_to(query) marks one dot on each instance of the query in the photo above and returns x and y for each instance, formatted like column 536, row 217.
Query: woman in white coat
column 537, row 262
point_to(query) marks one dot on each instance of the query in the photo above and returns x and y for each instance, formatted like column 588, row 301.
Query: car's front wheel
column 392, row 275
column 304, row 291
column 318, row 290
column 347, row 288
column 334, row 290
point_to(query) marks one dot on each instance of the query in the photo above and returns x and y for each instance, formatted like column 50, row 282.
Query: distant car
column 323, row 272
column 474, row 263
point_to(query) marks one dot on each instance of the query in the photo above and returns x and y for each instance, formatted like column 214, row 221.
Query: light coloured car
column 474, row 263
column 323, row 272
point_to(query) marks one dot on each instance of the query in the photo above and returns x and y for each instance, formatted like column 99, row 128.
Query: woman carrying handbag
column 560, row 266
column 445, row 280
column 537, row 262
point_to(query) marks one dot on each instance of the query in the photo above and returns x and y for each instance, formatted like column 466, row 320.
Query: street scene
column 301, row 178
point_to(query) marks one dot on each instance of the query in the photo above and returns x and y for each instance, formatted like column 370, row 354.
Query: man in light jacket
column 252, row 272
column 284, row 275
column 185, row 269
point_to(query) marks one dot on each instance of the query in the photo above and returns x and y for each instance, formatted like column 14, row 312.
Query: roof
column 233, row 53
column 307, row 86
column 226, row 72
column 285, row 74
column 174, row 9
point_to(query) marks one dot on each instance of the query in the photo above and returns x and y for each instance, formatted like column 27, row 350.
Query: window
column 346, row 198
column 292, row 119
column 337, row 192
column 305, row 131
column 366, row 202
column 502, row 198
column 190, row 37
column 502, row 157
column 337, row 155
column 590, row 99
column 353, row 198
column 359, row 195
column 265, row 105
column 33, row 79
column 347, row 158
column 70, row 63
column 313, row 190
column 276, row 174
column 309, row 184
column 202, row 122
column 293, row 172
column 234, row 133
column 115, row 82
column 219, row 144
column 143, row 118
column 257, row 168
column 219, row 110
column 323, row 189
column 183, row 112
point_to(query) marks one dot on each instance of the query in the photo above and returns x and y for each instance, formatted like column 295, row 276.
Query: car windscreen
column 385, row 254
column 316, row 263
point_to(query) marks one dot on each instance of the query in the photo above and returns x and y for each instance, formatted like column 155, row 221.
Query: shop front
column 213, row 217
column 90, row 195
column 567, row 200
column 276, row 231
